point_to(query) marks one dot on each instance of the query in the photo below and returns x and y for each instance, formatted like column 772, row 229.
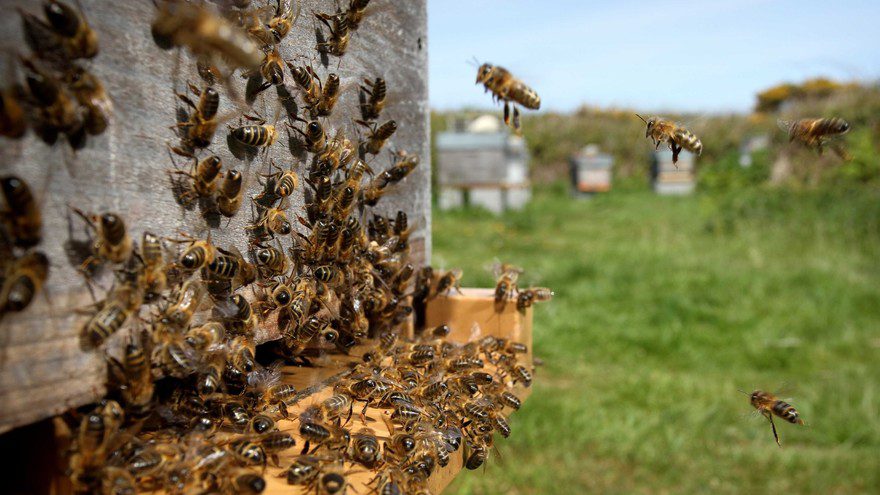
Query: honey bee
column 12, row 118
column 373, row 106
column 272, row 261
column 90, row 93
column 272, row 221
column 507, row 88
column 180, row 24
column 329, row 96
column 229, row 194
column 113, row 312
column 365, row 448
column 281, row 184
column 378, row 136
column 272, row 70
column 340, row 34
column 273, row 31
column 56, row 111
column 314, row 136
column 199, row 129
column 246, row 482
column 135, row 376
column 303, row 470
column 112, row 242
column 22, row 217
column 241, row 352
column 261, row 135
column 527, row 297
column 206, row 336
column 153, row 257
column 75, row 39
column 506, row 285
column 204, row 176
column 308, row 82
column 816, row 133
column 197, row 254
column 355, row 13
column 448, row 281
column 769, row 405
column 22, row 281
column 678, row 137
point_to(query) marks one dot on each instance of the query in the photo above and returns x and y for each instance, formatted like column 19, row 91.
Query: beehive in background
column 43, row 368
column 591, row 171
column 672, row 178
column 482, row 165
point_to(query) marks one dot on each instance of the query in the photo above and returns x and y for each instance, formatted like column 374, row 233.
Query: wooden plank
column 123, row 171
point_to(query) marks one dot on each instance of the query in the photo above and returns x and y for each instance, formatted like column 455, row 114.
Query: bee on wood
column 373, row 106
column 13, row 123
column 769, row 405
column 365, row 448
column 272, row 70
column 112, row 241
column 355, row 13
column 677, row 136
column 261, row 135
column 135, row 378
column 527, row 297
column 246, row 482
column 505, row 287
column 197, row 254
column 304, row 470
column 271, row 222
column 308, row 82
column 281, row 185
column 152, row 255
column 21, row 217
column 817, row 133
column 198, row 130
column 315, row 139
column 277, row 27
column 203, row 174
column 113, row 312
column 273, row 262
column 91, row 95
column 22, row 281
column 377, row 137
column 187, row 300
column 73, row 37
column 329, row 96
column 448, row 281
column 180, row 24
column 340, row 34
column 230, row 193
column 507, row 88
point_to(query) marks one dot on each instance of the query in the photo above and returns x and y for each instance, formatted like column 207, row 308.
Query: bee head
column 484, row 73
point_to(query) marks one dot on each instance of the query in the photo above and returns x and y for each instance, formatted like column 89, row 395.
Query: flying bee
column 230, row 193
column 329, row 96
column 22, row 217
column 22, row 281
column 769, row 405
column 527, row 297
column 112, row 242
column 261, row 135
column 73, row 36
column 340, row 34
column 180, row 24
column 378, row 136
column 507, row 88
column 676, row 136
column 816, row 133
column 90, row 93
column 56, row 110
column 13, row 123
column 373, row 106
column 204, row 175
column 448, row 281
column 198, row 130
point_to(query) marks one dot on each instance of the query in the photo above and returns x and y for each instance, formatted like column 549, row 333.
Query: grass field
column 665, row 307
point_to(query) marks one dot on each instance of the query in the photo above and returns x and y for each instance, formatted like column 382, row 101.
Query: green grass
column 665, row 307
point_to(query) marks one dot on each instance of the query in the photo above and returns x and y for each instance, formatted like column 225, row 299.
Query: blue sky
column 701, row 56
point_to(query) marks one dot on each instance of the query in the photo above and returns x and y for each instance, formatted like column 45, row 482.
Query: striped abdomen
column 786, row 411
column 151, row 249
column 223, row 266
column 831, row 126
column 248, row 452
column 209, row 102
column 254, row 135
column 524, row 95
column 688, row 140
column 106, row 322
column 113, row 228
column 286, row 184
column 194, row 257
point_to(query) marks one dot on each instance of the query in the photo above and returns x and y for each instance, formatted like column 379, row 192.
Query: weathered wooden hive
column 591, row 170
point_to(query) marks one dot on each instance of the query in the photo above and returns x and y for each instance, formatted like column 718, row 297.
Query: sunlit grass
column 665, row 307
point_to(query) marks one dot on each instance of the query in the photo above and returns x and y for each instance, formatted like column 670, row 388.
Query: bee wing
column 785, row 125
column 225, row 309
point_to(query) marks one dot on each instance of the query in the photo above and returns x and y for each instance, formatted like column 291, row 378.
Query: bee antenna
column 473, row 61
column 643, row 119
column 743, row 392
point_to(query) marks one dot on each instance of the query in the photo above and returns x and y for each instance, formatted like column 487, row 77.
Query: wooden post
column 43, row 369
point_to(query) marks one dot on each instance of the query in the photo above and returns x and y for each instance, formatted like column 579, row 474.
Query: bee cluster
column 192, row 403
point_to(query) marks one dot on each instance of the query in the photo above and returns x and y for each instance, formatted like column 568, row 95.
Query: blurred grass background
column 664, row 308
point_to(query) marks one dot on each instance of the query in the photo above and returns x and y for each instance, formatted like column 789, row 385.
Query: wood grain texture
column 43, row 370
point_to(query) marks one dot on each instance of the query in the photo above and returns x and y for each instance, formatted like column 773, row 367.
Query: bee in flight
column 769, row 405
column 678, row 137
column 504, row 87
column 817, row 133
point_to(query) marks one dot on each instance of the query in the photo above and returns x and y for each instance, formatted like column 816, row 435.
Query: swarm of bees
column 510, row 90
column 193, row 405
column 59, row 96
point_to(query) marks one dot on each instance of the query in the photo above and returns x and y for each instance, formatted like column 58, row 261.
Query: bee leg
column 305, row 448
column 516, row 123
column 506, row 114
column 675, row 151
column 773, row 427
